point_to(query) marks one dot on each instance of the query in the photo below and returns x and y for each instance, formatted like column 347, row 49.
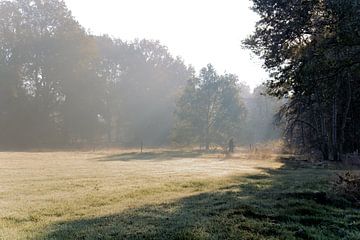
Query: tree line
column 312, row 49
column 61, row 85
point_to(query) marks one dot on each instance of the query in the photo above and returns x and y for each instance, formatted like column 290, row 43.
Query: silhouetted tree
column 312, row 50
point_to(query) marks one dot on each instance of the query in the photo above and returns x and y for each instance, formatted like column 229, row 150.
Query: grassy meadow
column 170, row 194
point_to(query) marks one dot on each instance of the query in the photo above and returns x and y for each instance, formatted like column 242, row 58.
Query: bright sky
column 200, row 31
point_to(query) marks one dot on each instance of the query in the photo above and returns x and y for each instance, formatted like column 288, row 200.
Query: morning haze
column 199, row 31
column 179, row 119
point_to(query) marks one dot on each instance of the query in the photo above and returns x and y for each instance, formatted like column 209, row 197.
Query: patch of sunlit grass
column 168, row 194
column 41, row 189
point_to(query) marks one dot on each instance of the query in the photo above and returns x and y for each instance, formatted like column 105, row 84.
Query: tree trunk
column 334, row 131
column 344, row 116
column 207, row 140
column 207, row 146
column 207, row 130
column 109, row 133
column 324, row 137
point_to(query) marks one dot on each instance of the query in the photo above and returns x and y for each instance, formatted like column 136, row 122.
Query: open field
column 169, row 194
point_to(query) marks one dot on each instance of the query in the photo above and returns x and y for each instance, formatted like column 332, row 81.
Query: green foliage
column 60, row 85
column 312, row 50
column 210, row 110
column 44, row 51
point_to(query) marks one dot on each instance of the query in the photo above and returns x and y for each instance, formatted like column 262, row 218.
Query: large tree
column 312, row 50
column 46, row 73
column 210, row 110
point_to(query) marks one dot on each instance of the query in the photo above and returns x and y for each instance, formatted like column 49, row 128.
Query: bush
column 348, row 185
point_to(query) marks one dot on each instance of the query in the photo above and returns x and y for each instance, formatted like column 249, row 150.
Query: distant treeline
column 61, row 86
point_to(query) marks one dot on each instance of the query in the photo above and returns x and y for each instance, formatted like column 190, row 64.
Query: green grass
column 289, row 203
column 271, row 200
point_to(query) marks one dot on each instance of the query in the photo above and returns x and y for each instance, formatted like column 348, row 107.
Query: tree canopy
column 210, row 111
column 61, row 85
column 312, row 49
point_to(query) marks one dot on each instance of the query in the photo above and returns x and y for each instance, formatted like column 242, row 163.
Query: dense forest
column 63, row 86
column 312, row 49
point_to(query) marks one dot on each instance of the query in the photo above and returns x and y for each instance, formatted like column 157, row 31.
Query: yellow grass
column 38, row 190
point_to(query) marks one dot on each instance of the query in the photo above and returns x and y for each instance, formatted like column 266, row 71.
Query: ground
column 170, row 194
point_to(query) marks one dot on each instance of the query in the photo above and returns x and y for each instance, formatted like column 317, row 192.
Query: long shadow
column 294, row 202
column 159, row 155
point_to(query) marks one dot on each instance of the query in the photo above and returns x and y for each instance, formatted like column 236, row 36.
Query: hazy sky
column 200, row 31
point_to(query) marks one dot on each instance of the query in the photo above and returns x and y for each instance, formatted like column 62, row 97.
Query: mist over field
column 182, row 120
column 65, row 87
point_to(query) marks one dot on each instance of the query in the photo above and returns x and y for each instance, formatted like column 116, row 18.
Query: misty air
column 137, row 119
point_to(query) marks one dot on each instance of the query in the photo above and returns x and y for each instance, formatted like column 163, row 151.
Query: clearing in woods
column 165, row 194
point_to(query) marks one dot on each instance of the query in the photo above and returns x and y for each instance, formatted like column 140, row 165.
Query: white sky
column 200, row 31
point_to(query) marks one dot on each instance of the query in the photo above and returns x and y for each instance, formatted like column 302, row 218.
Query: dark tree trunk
column 334, row 131
column 344, row 116
column 318, row 116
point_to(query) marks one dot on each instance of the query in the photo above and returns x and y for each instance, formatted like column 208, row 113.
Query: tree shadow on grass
column 293, row 202
column 159, row 155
